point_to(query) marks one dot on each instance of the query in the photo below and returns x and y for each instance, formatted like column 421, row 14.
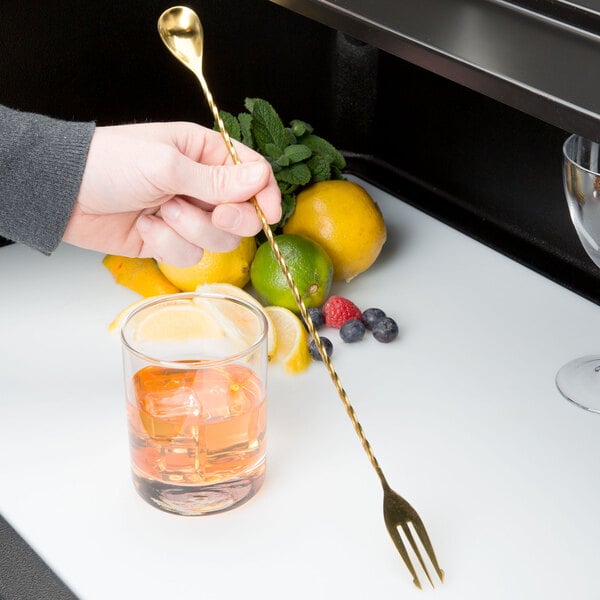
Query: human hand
column 168, row 191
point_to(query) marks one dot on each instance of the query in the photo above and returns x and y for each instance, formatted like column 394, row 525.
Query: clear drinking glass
column 195, row 370
column 579, row 379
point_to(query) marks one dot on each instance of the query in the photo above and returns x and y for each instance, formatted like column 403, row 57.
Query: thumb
column 224, row 183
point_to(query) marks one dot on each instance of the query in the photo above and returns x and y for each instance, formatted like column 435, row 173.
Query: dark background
column 485, row 168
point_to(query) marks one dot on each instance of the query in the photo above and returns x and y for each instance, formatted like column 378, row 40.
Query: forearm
column 41, row 165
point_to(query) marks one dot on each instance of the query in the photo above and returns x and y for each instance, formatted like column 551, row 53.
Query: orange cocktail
column 196, row 402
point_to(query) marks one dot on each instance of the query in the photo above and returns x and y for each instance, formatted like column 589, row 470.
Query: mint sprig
column 296, row 154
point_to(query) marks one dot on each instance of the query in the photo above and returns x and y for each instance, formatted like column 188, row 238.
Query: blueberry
column 371, row 316
column 385, row 330
column 314, row 351
column 317, row 317
column 352, row 331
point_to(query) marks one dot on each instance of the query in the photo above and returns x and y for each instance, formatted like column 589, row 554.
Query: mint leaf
column 322, row 147
column 231, row 125
column 288, row 205
column 297, row 156
column 299, row 128
column 261, row 137
column 298, row 173
column 245, row 120
column 287, row 188
column 267, row 121
column 336, row 173
column 273, row 151
column 297, row 152
column 290, row 137
column 320, row 168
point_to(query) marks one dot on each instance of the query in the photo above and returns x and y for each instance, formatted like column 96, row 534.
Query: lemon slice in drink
column 292, row 339
column 229, row 289
column 179, row 322
column 117, row 322
column 170, row 321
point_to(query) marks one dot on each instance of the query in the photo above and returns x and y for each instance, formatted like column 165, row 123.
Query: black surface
column 485, row 163
column 583, row 15
column 105, row 61
column 525, row 58
column 23, row 574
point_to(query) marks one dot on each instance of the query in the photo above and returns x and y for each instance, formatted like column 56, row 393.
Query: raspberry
column 337, row 310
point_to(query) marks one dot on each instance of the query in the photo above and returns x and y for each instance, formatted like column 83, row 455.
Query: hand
column 168, row 191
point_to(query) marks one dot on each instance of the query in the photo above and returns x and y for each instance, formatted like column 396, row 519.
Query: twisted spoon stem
column 294, row 289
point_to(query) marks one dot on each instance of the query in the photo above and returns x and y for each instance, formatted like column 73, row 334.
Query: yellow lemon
column 229, row 289
column 215, row 267
column 344, row 219
column 308, row 263
column 141, row 275
column 292, row 339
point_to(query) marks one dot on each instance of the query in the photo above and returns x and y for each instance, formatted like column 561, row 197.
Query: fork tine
column 426, row 542
column 413, row 544
column 395, row 535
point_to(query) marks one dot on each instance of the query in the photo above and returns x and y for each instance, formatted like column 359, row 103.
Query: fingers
column 164, row 243
column 231, row 184
column 218, row 184
column 200, row 200
column 196, row 226
column 269, row 200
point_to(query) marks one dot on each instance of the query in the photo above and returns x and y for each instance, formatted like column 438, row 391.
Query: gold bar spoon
column 181, row 31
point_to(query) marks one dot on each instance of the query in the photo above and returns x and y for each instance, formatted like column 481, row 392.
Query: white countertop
column 461, row 411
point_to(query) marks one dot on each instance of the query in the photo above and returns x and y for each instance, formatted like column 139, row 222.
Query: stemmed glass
column 579, row 380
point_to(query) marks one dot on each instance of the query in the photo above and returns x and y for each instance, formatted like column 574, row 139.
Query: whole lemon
column 215, row 267
column 309, row 266
column 344, row 219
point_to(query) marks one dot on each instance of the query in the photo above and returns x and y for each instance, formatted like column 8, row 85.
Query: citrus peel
column 141, row 275
column 292, row 339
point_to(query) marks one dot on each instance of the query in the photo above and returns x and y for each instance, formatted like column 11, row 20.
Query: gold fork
column 181, row 31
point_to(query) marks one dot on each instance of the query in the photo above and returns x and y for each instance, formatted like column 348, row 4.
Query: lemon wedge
column 292, row 340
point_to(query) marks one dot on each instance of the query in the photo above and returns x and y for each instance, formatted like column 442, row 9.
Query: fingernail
column 171, row 210
column 143, row 223
column 251, row 172
column 227, row 217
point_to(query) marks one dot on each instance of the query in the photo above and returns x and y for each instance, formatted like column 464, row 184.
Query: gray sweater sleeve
column 41, row 164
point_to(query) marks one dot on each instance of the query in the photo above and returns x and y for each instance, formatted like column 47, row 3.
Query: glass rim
column 571, row 160
column 204, row 363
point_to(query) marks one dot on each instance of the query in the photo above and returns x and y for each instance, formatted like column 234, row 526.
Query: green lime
column 308, row 263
